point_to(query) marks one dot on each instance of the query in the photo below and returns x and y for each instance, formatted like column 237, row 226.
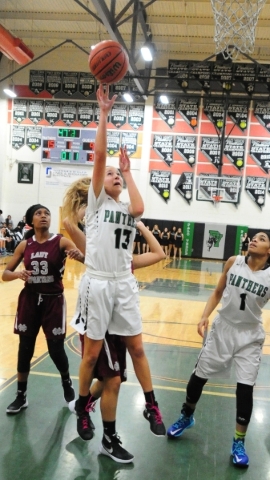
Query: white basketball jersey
column 110, row 232
column 245, row 294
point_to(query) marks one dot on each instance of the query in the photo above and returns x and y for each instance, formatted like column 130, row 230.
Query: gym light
column 128, row 98
column 146, row 54
column 164, row 99
column 9, row 93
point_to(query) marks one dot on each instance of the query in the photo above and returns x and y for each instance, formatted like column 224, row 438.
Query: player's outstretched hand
column 202, row 326
column 124, row 161
column 75, row 254
column 105, row 103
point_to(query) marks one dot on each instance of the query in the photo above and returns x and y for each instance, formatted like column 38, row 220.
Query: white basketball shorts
column 108, row 304
column 225, row 344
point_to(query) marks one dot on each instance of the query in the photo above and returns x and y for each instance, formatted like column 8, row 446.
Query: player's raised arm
column 156, row 253
column 136, row 207
column 105, row 105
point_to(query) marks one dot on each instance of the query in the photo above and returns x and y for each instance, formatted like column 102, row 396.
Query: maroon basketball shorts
column 39, row 310
column 112, row 358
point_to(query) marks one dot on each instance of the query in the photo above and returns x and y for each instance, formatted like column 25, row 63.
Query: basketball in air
column 108, row 62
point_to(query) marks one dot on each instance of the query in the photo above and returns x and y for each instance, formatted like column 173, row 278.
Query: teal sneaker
column 182, row 424
column 240, row 458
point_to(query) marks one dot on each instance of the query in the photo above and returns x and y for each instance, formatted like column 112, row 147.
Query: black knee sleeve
column 25, row 353
column 194, row 388
column 244, row 403
column 58, row 355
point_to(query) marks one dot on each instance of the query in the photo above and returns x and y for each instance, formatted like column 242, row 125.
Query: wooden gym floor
column 41, row 443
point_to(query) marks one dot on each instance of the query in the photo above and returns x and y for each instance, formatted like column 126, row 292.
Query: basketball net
column 235, row 24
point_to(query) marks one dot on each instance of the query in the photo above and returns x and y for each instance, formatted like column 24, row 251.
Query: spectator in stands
column 21, row 225
column 1, row 218
column 9, row 222
column 10, row 242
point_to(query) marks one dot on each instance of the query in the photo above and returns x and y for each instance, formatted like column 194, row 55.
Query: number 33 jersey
column 47, row 264
column 110, row 232
column 246, row 293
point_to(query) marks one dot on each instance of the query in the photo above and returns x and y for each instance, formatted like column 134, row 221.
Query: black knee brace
column 194, row 388
column 25, row 353
column 244, row 403
column 58, row 355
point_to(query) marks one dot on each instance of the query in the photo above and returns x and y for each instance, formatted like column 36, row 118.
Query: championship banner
column 260, row 152
column 121, row 87
column 18, row 136
column 262, row 113
column 264, row 75
column 19, row 110
column 214, row 241
column 113, row 142
column 179, row 69
column 202, row 73
column 96, row 113
column 135, row 116
column 234, row 149
column 119, row 115
column 86, row 84
column 163, row 145
column 238, row 239
column 188, row 109
column 188, row 232
column 166, row 112
column 214, row 110
column 160, row 180
column 63, row 177
column 238, row 113
column 37, row 81
column 36, row 110
column 256, row 188
column 53, row 82
column 130, row 140
column 85, row 113
column 245, row 73
column 222, row 74
column 52, row 112
column 33, row 137
column 68, row 112
column 184, row 186
column 70, row 81
column 186, row 147
column 210, row 146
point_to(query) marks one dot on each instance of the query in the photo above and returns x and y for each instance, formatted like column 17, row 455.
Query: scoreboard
column 68, row 145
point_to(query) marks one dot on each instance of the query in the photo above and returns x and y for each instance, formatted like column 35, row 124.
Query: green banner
column 188, row 231
column 238, row 239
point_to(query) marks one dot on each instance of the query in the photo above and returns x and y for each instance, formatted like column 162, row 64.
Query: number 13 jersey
column 246, row 293
column 110, row 233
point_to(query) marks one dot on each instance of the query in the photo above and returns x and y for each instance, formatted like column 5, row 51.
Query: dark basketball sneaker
column 90, row 408
column 19, row 403
column 69, row 393
column 84, row 427
column 154, row 417
column 111, row 446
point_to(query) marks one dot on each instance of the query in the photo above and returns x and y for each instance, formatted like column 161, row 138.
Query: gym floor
column 41, row 442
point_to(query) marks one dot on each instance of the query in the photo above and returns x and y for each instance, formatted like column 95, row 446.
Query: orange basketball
column 108, row 62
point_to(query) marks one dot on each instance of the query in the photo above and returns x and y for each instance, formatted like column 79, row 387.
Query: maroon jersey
column 47, row 264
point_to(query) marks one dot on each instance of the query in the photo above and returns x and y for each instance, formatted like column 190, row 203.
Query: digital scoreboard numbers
column 68, row 145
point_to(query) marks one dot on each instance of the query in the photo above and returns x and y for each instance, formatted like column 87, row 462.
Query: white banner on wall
column 214, row 240
column 63, row 177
